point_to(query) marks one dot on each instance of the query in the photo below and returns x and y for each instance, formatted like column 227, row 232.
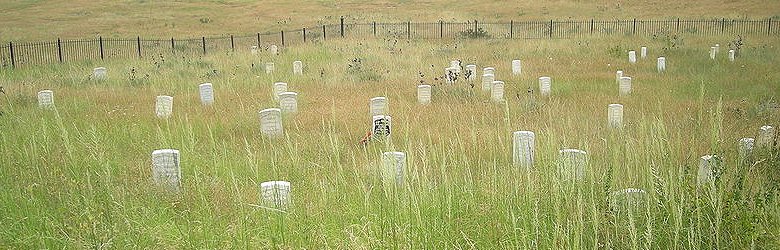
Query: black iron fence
column 19, row 54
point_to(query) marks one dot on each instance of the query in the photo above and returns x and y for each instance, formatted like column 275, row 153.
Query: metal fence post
column 323, row 32
column 232, row 44
column 203, row 43
column 13, row 60
column 441, row 29
column 374, row 28
column 769, row 26
column 100, row 39
column 511, row 28
column 591, row 26
column 258, row 40
column 173, row 46
column 408, row 30
column 282, row 37
column 59, row 49
column 551, row 28
column 342, row 26
column 723, row 25
column 475, row 26
column 138, row 43
column 304, row 35
column 678, row 25
column 633, row 30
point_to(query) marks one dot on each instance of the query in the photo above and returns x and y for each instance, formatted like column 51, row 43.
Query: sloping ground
column 39, row 20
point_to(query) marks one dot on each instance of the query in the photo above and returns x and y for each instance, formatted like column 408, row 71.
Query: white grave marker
column 516, row 67
column 254, row 50
column 766, row 137
column 497, row 91
column 164, row 106
column 661, row 65
column 523, row 144
column 456, row 65
column 643, row 52
column 269, row 67
column 100, row 73
column 279, row 87
column 276, row 194
column 206, row 94
column 274, row 49
column 271, row 122
column 618, row 75
column 708, row 167
column 632, row 56
column 615, row 114
column 489, row 70
column 288, row 102
column 731, row 55
column 472, row 69
column 625, row 85
column 745, row 148
column 424, row 94
column 297, row 68
column 379, row 106
column 712, row 53
column 545, row 85
column 627, row 198
column 46, row 99
column 487, row 81
column 381, row 126
column 717, row 48
column 393, row 167
column 572, row 163
column 166, row 170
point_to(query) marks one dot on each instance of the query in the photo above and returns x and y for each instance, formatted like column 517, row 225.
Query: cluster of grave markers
column 572, row 163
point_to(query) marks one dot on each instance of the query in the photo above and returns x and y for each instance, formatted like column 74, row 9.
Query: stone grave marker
column 545, row 85
column 709, row 166
column 497, row 91
column 643, row 52
column 424, row 94
column 572, row 164
column 166, row 170
column 487, row 82
column 100, row 73
column 288, row 102
column 394, row 165
column 523, row 144
column 615, row 114
column 731, row 55
column 632, row 56
column 629, row 198
column 745, row 149
column 206, row 94
column 279, row 87
column 164, row 106
column 297, row 68
column 269, row 67
column 274, row 50
column 489, row 70
column 271, row 122
column 661, row 65
column 276, row 194
column 618, row 75
column 516, row 67
column 379, row 106
column 381, row 126
column 472, row 69
column 46, row 99
column 766, row 137
column 625, row 86
column 712, row 53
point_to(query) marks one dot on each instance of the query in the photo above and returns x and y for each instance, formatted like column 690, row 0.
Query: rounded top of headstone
column 205, row 84
column 379, row 98
column 165, row 151
column 708, row 157
column 271, row 184
column 629, row 191
column 625, row 78
column 731, row 50
column 424, row 86
column 488, row 75
column 571, row 151
column 765, row 128
column 100, row 68
column 297, row 61
column 523, row 133
column 280, row 83
column 289, row 93
column 498, row 82
column 269, row 63
column 488, row 69
column 615, row 105
column 544, row 78
column 270, row 111
column 747, row 140
column 165, row 97
column 713, row 47
column 45, row 91
column 631, row 51
column 394, row 154
column 377, row 117
column 471, row 66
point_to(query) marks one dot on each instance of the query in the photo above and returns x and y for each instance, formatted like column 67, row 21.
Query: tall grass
column 80, row 176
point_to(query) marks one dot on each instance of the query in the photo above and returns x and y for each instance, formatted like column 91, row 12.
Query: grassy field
column 45, row 20
column 80, row 176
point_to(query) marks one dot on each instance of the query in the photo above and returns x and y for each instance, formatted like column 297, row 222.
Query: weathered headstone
column 643, row 52
column 709, row 165
column 271, row 122
column 164, row 106
column 381, row 126
column 523, row 144
column 731, row 55
column 629, row 198
column 489, row 70
column 456, row 65
column 615, row 114
column 46, row 99
column 516, row 67
column 393, row 167
column 618, row 75
column 424, row 94
column 273, row 49
column 487, row 82
column 288, row 102
column 717, row 48
column 545, row 85
column 572, row 164
column 379, row 106
column 745, row 149
column 766, row 137
column 269, row 67
column 276, row 194
column 254, row 50
column 166, row 170
column 632, row 56
column 625, row 85
column 661, row 65
column 206, row 94
column 297, row 68
column 472, row 72
column 497, row 91
column 712, row 53
column 279, row 87
column 100, row 73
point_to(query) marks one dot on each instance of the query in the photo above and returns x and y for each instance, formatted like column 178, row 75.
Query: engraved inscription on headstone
column 164, row 106
column 46, row 99
column 165, row 168
column 271, row 122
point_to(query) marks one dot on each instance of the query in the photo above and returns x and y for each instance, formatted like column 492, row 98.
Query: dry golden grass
column 45, row 20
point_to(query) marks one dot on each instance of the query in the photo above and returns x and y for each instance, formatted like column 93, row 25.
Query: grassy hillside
column 79, row 176
column 36, row 20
